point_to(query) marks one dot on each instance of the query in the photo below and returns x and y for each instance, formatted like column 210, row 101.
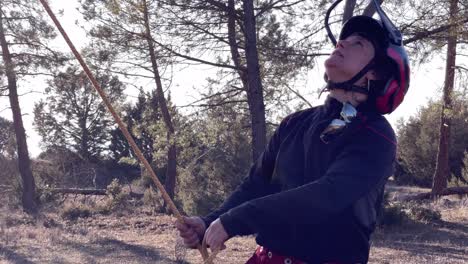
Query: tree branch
column 200, row 28
column 235, row 92
column 299, row 95
column 370, row 9
column 458, row 67
column 29, row 92
column 271, row 5
column 427, row 33
column 219, row 104
column 36, row 74
column 4, row 109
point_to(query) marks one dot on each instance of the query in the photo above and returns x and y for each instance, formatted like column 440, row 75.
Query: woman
column 314, row 194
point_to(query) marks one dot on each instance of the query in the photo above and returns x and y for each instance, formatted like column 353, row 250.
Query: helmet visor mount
column 392, row 32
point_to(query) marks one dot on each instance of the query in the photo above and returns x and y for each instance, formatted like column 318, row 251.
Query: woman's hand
column 191, row 230
column 216, row 235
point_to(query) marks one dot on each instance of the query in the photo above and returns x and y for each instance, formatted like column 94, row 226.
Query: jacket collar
column 333, row 106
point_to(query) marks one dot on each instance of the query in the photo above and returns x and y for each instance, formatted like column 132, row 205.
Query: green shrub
column 117, row 198
column 114, row 188
column 75, row 211
column 153, row 200
column 419, row 213
column 116, row 193
column 45, row 195
column 104, row 208
column 14, row 199
column 418, row 142
column 392, row 215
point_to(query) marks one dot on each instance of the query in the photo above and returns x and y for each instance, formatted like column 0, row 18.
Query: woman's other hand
column 216, row 235
column 191, row 230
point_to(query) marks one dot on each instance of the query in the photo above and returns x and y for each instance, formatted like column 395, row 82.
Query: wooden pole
column 119, row 121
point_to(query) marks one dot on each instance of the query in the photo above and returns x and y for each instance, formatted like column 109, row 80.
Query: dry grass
column 140, row 236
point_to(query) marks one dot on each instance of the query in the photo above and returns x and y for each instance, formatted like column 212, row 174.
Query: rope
column 122, row 126
column 211, row 257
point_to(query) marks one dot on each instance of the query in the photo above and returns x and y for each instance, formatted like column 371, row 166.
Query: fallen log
column 88, row 192
column 78, row 191
column 430, row 195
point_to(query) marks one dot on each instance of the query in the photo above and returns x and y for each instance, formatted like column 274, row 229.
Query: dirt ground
column 143, row 237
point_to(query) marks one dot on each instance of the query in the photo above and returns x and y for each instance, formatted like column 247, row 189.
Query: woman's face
column 350, row 56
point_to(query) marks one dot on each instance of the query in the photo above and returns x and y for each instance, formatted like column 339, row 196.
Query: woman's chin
column 335, row 74
column 332, row 68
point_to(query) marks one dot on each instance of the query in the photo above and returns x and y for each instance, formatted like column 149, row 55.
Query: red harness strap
column 264, row 256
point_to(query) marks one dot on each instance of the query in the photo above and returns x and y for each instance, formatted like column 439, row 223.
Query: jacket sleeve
column 257, row 183
column 357, row 170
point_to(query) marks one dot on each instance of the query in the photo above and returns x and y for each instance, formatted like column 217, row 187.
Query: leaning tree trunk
column 348, row 10
column 370, row 8
column 442, row 170
column 234, row 47
column 254, row 83
column 171, row 171
column 24, row 163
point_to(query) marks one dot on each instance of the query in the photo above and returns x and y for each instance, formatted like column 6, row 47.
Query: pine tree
column 74, row 116
column 24, row 36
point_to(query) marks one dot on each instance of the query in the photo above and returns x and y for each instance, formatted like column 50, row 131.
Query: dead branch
column 88, row 192
column 430, row 195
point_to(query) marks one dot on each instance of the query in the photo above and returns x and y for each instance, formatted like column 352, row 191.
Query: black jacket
column 315, row 201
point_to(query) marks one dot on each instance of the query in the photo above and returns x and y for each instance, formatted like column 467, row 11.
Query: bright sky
column 426, row 80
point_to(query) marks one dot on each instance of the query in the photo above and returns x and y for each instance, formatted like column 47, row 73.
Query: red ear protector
column 389, row 40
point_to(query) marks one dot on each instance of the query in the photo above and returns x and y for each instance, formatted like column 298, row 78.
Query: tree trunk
column 171, row 172
column 348, row 10
column 442, row 170
column 370, row 9
column 254, row 84
column 235, row 55
column 84, row 147
column 24, row 163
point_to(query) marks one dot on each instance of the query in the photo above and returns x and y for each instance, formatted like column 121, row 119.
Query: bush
column 118, row 198
column 104, row 208
column 153, row 200
column 464, row 170
column 8, row 170
column 61, row 167
column 418, row 143
column 14, row 199
column 114, row 189
column 146, row 181
column 10, row 184
column 392, row 215
column 419, row 213
column 45, row 195
column 75, row 211
column 397, row 215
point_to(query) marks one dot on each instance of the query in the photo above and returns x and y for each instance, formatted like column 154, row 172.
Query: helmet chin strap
column 349, row 85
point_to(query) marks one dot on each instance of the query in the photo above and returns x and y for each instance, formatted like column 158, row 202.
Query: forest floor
column 141, row 236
